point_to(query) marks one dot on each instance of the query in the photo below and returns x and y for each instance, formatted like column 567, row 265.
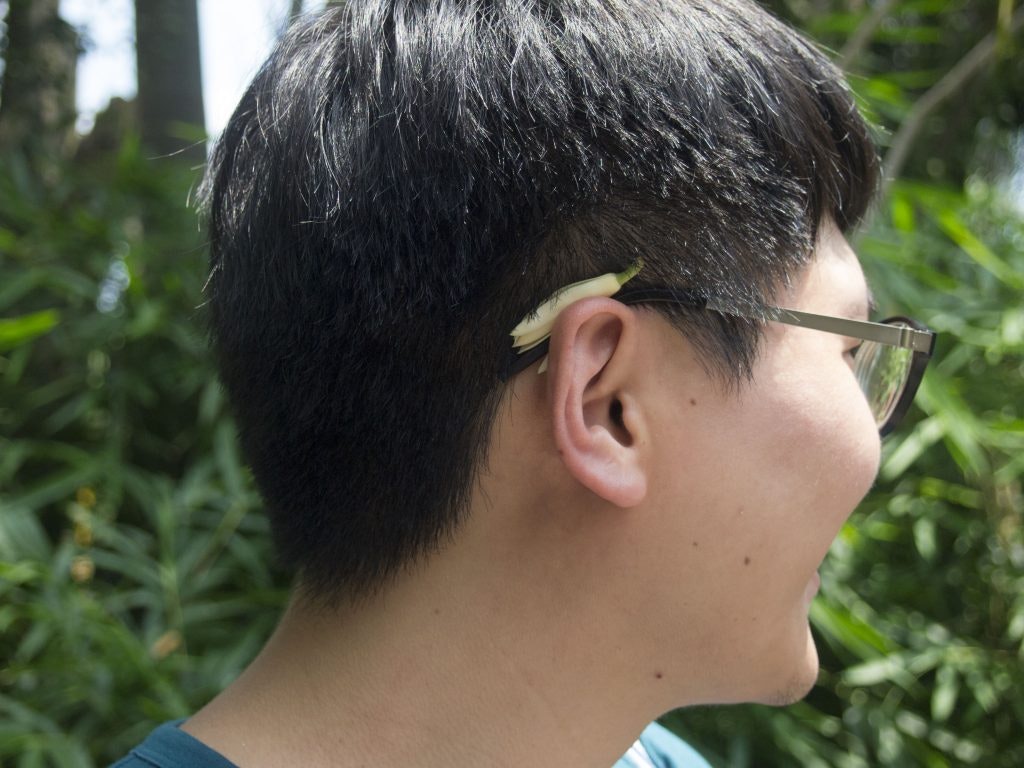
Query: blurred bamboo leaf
column 960, row 233
column 16, row 331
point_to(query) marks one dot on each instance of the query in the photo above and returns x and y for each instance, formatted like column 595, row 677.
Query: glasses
column 889, row 363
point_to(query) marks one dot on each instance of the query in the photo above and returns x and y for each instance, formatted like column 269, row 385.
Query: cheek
column 830, row 443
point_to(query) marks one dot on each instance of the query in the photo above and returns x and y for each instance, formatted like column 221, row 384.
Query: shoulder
column 658, row 747
column 170, row 747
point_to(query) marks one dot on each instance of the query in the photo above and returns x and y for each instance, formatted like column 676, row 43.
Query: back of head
column 405, row 179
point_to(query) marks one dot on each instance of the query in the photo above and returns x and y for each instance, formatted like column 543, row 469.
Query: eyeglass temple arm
column 893, row 335
column 901, row 336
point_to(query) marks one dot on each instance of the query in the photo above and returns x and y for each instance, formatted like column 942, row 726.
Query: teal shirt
column 170, row 747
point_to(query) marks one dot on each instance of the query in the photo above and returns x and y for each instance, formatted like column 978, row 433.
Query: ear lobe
column 598, row 423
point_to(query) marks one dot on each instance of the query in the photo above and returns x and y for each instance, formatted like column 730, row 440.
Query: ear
column 598, row 421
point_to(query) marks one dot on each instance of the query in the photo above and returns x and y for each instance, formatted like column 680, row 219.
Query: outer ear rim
column 592, row 356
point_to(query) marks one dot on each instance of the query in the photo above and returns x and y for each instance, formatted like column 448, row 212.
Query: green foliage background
column 136, row 577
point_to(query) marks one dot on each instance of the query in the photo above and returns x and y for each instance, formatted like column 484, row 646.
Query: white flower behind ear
column 536, row 327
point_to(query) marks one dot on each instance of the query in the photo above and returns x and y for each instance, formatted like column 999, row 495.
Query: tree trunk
column 170, row 100
column 37, row 96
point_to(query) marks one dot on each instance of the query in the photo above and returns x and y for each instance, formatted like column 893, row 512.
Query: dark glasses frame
column 901, row 332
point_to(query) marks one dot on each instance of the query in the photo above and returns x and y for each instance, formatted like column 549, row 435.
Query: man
column 495, row 292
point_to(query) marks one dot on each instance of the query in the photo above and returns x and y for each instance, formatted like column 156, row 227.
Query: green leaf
column 22, row 538
column 16, row 331
column 852, row 633
column 925, row 538
column 954, row 226
column 947, row 687
column 909, row 449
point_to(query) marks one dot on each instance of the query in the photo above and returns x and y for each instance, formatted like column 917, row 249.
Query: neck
column 427, row 676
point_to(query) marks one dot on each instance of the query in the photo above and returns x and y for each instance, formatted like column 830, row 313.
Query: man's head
column 404, row 181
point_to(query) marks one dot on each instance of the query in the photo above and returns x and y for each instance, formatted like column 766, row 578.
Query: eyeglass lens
column 882, row 372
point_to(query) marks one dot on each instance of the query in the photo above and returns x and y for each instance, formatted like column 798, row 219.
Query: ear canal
column 618, row 423
column 615, row 413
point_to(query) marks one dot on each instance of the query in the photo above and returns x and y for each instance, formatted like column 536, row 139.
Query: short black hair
column 404, row 180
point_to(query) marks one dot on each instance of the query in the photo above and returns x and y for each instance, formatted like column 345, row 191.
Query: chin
column 801, row 678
